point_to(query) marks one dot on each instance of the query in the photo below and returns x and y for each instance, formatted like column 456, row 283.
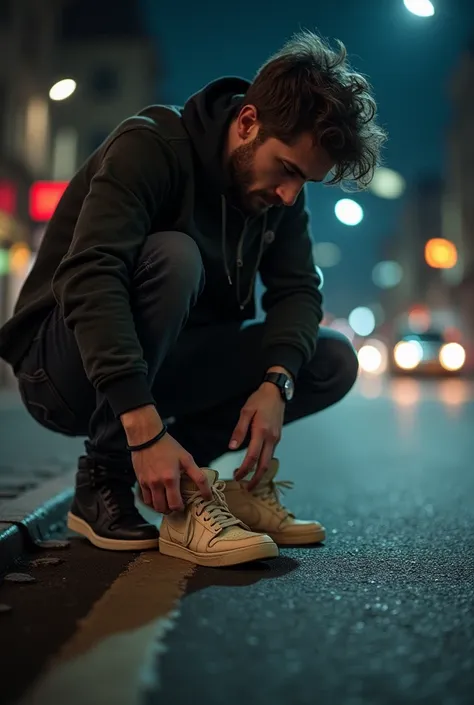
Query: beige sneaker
column 207, row 533
column 262, row 510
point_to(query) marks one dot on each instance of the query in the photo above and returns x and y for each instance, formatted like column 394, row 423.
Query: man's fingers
column 240, row 431
column 265, row 456
column 145, row 496
column 198, row 477
column 173, row 493
column 159, row 502
column 251, row 458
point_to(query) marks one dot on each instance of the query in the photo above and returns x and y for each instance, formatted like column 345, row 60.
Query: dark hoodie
column 162, row 170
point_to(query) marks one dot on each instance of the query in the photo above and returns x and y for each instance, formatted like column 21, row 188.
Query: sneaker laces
column 219, row 512
column 271, row 493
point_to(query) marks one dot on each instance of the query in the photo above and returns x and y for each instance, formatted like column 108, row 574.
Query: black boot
column 103, row 509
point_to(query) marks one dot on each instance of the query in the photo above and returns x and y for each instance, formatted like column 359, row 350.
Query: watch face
column 289, row 389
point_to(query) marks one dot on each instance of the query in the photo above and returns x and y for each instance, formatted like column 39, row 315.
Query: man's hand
column 159, row 468
column 263, row 412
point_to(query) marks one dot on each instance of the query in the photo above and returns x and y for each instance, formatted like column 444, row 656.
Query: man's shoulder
column 163, row 120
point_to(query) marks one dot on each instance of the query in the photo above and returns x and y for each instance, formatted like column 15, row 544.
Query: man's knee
column 336, row 360
column 173, row 257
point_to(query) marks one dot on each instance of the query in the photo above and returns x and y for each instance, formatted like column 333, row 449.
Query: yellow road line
column 113, row 655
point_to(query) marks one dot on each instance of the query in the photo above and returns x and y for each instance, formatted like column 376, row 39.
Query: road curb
column 33, row 517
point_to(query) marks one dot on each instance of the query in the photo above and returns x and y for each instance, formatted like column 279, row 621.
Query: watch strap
column 279, row 379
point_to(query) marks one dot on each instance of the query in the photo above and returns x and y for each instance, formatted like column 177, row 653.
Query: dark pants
column 201, row 376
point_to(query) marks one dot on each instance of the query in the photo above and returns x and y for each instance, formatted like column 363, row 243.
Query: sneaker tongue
column 187, row 485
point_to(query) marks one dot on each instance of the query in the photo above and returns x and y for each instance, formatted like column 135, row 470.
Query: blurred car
column 426, row 353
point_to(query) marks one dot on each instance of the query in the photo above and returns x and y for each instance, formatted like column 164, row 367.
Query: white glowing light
column 408, row 354
column 452, row 356
column 62, row 89
column 422, row 8
column 348, row 211
column 370, row 359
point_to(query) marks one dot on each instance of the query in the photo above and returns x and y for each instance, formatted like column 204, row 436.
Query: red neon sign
column 43, row 198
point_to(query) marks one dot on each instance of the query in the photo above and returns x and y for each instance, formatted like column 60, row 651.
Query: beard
column 242, row 176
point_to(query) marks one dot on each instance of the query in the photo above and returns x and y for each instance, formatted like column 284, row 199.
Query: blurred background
column 397, row 260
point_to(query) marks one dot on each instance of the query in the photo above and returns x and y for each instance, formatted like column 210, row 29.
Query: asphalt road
column 383, row 613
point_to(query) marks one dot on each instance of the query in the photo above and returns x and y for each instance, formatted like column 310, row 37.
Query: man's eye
column 289, row 171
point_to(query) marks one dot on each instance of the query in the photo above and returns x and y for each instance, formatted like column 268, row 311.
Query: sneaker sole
column 81, row 527
column 284, row 538
column 258, row 552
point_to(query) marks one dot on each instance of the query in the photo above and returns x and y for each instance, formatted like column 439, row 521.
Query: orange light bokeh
column 441, row 253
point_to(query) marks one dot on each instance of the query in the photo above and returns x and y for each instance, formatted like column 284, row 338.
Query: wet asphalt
column 382, row 613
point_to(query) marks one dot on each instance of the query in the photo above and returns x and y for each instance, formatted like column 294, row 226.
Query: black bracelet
column 151, row 442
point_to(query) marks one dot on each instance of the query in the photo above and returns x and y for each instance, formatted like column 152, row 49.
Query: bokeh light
column 441, row 253
column 362, row 321
column 348, row 211
column 387, row 183
column 422, row 8
column 62, row 89
column 408, row 354
column 19, row 256
column 326, row 254
column 370, row 359
column 4, row 262
column 387, row 274
column 452, row 356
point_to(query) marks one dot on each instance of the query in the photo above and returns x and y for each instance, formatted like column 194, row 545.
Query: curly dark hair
column 309, row 87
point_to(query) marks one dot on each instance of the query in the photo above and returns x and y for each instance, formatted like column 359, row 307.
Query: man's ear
column 247, row 122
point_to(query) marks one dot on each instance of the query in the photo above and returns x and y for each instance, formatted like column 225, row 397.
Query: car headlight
column 407, row 354
column 452, row 356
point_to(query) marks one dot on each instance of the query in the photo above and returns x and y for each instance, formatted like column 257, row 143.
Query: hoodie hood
column 206, row 117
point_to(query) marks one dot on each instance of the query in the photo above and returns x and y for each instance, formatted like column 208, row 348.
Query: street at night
column 382, row 613
column 249, row 228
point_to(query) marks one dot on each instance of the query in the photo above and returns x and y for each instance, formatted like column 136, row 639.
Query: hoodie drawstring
column 224, row 239
column 242, row 304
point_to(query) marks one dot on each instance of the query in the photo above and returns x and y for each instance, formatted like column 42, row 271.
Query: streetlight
column 62, row 89
column 422, row 8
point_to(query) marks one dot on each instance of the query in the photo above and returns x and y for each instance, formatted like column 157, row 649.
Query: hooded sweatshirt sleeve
column 92, row 283
column 292, row 300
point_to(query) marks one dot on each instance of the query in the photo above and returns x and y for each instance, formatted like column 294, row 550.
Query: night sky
column 407, row 58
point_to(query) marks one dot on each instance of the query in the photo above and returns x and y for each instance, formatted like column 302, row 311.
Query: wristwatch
column 283, row 382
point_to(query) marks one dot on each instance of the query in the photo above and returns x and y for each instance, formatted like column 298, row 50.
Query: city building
column 28, row 32
column 115, row 70
column 424, row 291
column 100, row 52
column 458, row 220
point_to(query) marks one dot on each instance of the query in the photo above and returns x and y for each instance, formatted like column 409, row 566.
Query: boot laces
column 217, row 509
column 271, row 494
column 119, row 499
column 116, row 490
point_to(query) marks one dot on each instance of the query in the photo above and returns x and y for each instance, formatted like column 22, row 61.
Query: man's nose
column 288, row 194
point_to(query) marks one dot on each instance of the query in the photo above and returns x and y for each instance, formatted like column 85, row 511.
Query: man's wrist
column 141, row 424
column 280, row 369
column 267, row 385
